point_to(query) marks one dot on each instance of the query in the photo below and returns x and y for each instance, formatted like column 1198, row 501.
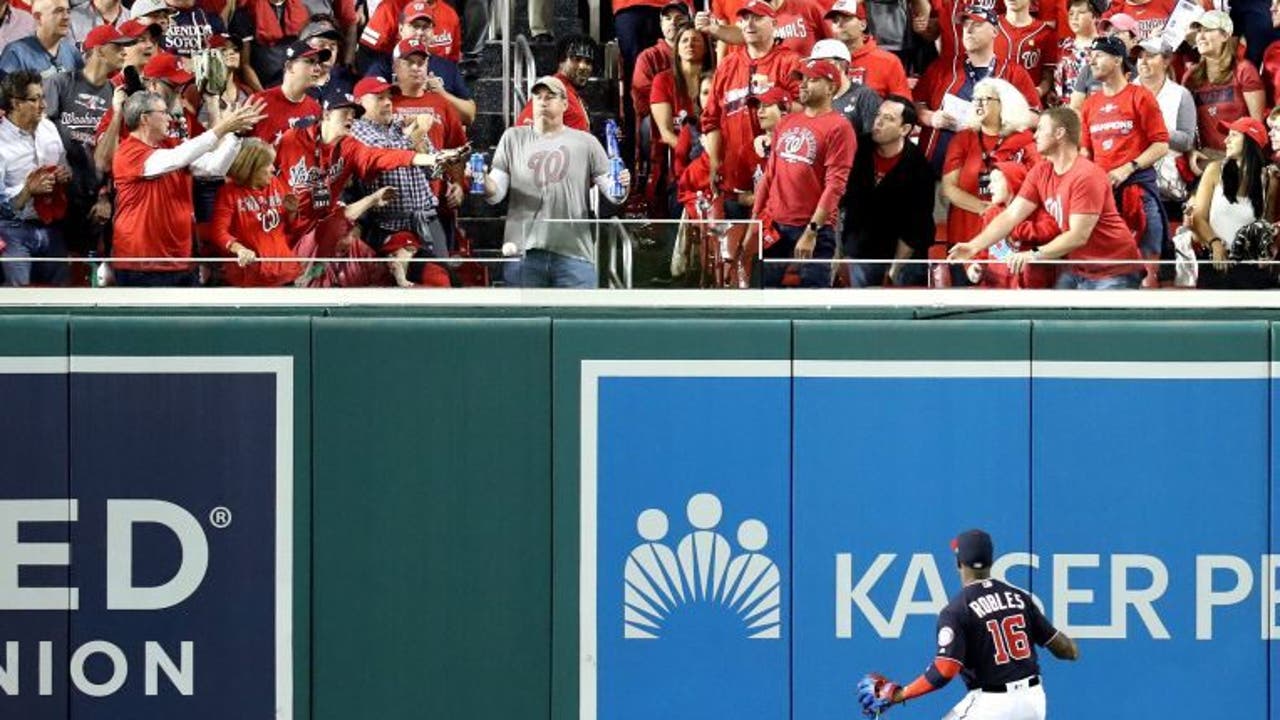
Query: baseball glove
column 875, row 694
column 211, row 72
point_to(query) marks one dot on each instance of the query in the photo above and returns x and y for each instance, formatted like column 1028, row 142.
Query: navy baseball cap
column 1110, row 45
column 973, row 549
column 336, row 97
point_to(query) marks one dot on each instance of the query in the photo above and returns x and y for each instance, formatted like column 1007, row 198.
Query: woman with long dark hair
column 1228, row 222
column 674, row 102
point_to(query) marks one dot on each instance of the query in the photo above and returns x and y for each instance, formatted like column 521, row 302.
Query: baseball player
column 988, row 635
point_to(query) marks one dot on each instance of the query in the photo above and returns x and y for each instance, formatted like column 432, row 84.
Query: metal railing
column 519, row 66
column 526, row 73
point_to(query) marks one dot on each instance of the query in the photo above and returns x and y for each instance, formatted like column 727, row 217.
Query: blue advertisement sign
column 887, row 471
column 174, row 597
column 692, row 551
column 1131, row 500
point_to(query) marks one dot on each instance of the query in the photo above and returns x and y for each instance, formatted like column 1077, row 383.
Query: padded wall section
column 1150, row 486
column 433, row 534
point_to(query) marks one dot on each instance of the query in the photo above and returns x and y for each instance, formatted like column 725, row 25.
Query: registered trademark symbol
column 220, row 517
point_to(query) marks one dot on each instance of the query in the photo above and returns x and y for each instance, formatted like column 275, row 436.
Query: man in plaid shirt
column 407, row 225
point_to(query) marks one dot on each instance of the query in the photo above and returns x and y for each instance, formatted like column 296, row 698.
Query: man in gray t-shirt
column 547, row 170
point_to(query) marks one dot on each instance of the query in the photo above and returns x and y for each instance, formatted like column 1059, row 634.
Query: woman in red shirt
column 674, row 101
column 1223, row 84
column 997, row 132
column 255, row 216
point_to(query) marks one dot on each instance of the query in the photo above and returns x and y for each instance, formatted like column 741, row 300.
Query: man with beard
column 76, row 103
column 805, row 179
column 1123, row 132
column 869, row 65
column 729, row 126
column 1077, row 195
column 888, row 206
column 576, row 55
column 857, row 103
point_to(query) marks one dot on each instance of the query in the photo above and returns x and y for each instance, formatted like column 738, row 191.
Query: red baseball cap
column 758, row 7
column 104, row 35
column 818, row 69
column 774, row 95
column 1250, row 128
column 134, row 29
column 418, row 11
column 167, row 67
column 847, row 7
column 411, row 46
column 370, row 86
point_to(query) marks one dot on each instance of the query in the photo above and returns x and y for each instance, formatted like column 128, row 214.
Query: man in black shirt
column 888, row 201
column 987, row 635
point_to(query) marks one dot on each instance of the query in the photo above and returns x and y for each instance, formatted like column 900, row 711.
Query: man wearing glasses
column 153, row 172
column 33, row 162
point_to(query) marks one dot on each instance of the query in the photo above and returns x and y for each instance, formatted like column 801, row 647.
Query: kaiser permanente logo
column 702, row 570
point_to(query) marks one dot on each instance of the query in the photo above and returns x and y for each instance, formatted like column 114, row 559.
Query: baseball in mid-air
column 509, row 249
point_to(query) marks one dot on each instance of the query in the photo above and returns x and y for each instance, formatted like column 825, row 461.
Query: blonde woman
column 255, row 216
column 997, row 131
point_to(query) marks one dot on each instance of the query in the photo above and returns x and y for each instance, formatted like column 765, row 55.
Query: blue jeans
column 812, row 275
column 1152, row 240
column 33, row 240
column 542, row 269
column 1068, row 280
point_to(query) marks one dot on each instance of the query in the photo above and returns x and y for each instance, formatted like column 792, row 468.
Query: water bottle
column 475, row 168
column 615, row 159
column 93, row 269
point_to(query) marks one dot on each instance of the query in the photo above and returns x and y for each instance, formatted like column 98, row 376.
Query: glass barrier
column 630, row 253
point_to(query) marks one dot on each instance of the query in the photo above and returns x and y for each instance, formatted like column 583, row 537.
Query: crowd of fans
column 1069, row 144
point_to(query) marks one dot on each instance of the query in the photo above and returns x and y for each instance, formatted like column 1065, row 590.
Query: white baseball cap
column 830, row 50
column 142, row 8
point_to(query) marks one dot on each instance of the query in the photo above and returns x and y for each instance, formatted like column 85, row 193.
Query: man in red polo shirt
column 1077, row 195
column 383, row 31
column 805, row 179
column 878, row 69
column 728, row 124
column 1029, row 42
column 289, row 102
